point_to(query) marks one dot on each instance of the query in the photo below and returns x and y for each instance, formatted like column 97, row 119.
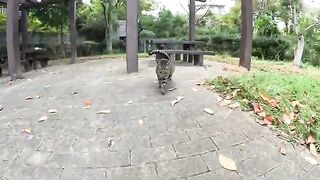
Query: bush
column 272, row 48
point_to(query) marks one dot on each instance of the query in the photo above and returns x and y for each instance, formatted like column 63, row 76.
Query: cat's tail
column 163, row 54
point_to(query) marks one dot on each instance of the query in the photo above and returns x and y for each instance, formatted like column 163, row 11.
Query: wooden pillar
column 24, row 31
column 246, row 33
column 192, row 20
column 73, row 31
column 132, row 36
column 13, row 39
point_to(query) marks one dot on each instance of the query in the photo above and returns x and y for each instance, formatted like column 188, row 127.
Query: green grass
column 285, row 88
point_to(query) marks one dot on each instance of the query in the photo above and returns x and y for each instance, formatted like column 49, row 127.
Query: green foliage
column 285, row 88
column 166, row 25
column 3, row 23
column 265, row 25
column 265, row 47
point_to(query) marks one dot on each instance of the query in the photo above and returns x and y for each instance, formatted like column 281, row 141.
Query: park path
column 143, row 137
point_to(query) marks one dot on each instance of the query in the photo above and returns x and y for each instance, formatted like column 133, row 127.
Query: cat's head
column 163, row 62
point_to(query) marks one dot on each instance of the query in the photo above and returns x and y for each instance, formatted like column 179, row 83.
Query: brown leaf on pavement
column 310, row 139
column 29, row 97
column 311, row 160
column 227, row 163
column 283, row 151
column 87, row 102
column 234, row 105
column 27, row 130
column 43, row 118
column 177, row 100
column 104, row 112
column 313, row 150
column 208, row 111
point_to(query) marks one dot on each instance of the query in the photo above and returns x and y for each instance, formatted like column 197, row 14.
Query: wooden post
column 132, row 36
column 13, row 39
column 24, row 31
column 246, row 33
column 192, row 20
column 73, row 31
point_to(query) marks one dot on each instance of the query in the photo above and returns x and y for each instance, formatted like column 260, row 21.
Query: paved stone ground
column 180, row 142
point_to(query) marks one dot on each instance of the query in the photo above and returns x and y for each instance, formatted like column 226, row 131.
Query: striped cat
column 164, row 70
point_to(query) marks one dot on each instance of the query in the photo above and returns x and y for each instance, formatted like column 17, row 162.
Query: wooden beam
column 12, row 35
column 192, row 20
column 246, row 33
column 41, row 4
column 73, row 30
column 132, row 36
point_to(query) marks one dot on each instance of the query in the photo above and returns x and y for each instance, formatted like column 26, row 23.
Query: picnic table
column 177, row 48
column 29, row 59
column 33, row 56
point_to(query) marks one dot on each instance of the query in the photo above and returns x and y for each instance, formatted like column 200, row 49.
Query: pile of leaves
column 289, row 103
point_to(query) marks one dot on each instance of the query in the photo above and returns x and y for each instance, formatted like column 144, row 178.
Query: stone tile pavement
column 146, row 139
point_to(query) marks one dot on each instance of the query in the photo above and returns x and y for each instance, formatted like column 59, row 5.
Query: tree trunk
column 299, row 51
column 246, row 34
column 62, row 47
column 109, row 30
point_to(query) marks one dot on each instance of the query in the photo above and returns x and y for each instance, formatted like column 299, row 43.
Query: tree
column 54, row 16
column 246, row 33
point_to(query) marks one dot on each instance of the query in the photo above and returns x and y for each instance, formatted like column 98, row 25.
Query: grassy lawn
column 280, row 95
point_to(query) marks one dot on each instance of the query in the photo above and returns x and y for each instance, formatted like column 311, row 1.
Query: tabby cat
column 164, row 70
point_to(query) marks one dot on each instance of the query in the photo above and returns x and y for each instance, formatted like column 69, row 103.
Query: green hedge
column 272, row 48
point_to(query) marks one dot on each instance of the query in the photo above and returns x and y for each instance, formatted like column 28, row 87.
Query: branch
column 204, row 15
column 183, row 7
column 311, row 26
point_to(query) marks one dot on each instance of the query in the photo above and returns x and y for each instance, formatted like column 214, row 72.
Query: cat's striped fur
column 165, row 68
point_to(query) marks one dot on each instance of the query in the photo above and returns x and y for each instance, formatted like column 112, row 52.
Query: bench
column 197, row 56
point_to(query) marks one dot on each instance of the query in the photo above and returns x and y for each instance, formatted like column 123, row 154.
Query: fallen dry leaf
column 219, row 99
column 194, row 89
column 75, row 92
column 104, row 112
column 172, row 89
column 310, row 139
column 256, row 107
column 87, row 102
column 262, row 114
column 227, row 163
column 268, row 120
column 273, row 103
column 234, row 105
column 52, row 111
column 295, row 104
column 209, row 111
column 43, row 118
column 264, row 97
column 27, row 130
column 225, row 102
column 286, row 119
column 313, row 150
column 283, row 151
column 311, row 160
column 140, row 121
column 177, row 100
column 235, row 92
column 29, row 97
column 228, row 97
